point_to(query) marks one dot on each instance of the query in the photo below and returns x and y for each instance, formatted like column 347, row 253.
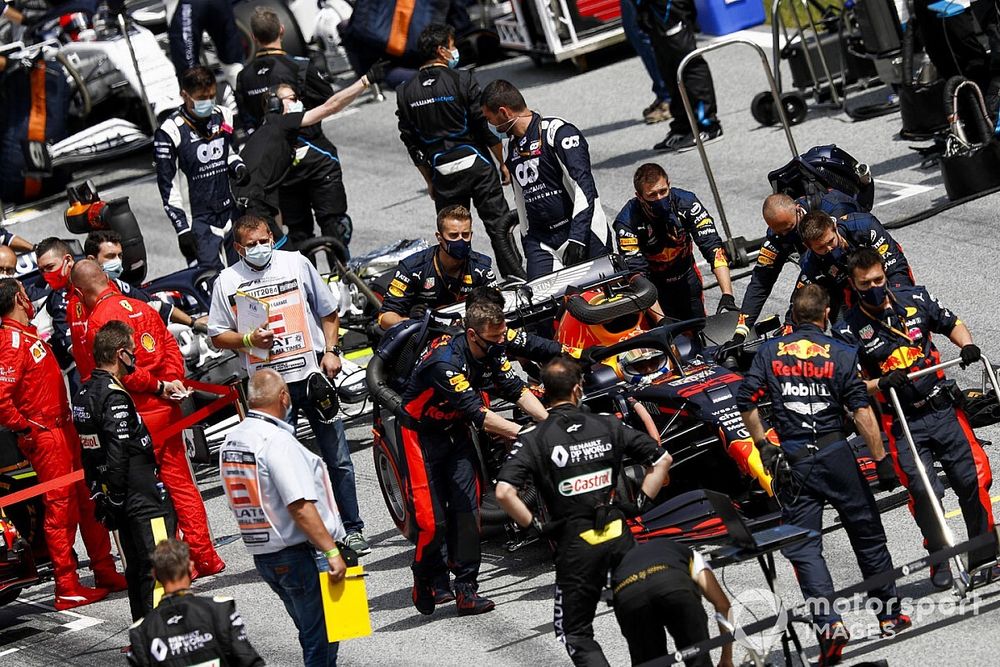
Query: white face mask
column 296, row 106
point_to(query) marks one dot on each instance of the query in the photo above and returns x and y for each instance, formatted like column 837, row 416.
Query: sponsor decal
column 397, row 288
column 148, row 342
column 803, row 349
column 594, row 481
column 429, row 283
column 126, row 305
column 89, row 442
column 560, row 456
column 37, row 351
column 459, row 382
column 803, row 370
column 867, row 332
column 904, row 357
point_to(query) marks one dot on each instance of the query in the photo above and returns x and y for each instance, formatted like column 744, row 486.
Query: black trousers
column 480, row 185
column 670, row 50
column 315, row 186
column 664, row 602
column 138, row 539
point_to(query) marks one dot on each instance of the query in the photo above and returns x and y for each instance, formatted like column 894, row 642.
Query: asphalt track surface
column 954, row 253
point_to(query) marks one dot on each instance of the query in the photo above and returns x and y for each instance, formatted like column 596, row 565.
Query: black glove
column 376, row 73
column 729, row 347
column 970, row 355
column 548, row 528
column 769, row 456
column 106, row 509
column 887, row 480
column 896, row 379
column 418, row 311
column 727, row 303
column 592, row 355
column 241, row 175
column 200, row 327
column 634, row 509
column 574, row 253
column 188, row 245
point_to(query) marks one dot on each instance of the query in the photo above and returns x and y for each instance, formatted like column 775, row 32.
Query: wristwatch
column 334, row 349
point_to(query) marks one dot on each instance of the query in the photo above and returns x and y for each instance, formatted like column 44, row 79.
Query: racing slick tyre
column 762, row 109
column 390, row 482
column 328, row 247
column 292, row 42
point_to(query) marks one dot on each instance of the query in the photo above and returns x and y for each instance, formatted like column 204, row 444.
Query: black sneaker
column 675, row 142
column 470, row 602
column 832, row 642
column 423, row 597
column 986, row 576
column 712, row 134
column 941, row 577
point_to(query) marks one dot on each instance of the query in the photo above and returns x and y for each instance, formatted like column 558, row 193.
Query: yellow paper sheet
column 345, row 606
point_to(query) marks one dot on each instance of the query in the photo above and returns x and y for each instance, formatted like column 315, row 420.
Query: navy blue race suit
column 858, row 230
column 315, row 183
column 900, row 338
column 443, row 401
column 662, row 249
column 556, row 195
column 777, row 250
column 574, row 458
column 119, row 463
column 420, row 281
column 194, row 158
column 442, row 126
column 810, row 379
column 189, row 19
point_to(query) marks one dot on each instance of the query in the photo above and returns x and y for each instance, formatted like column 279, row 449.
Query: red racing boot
column 110, row 580
column 209, row 568
column 71, row 596
column 832, row 642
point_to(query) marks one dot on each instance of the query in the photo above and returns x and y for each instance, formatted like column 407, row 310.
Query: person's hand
column 547, row 528
column 887, row 479
column 729, row 347
column 330, row 365
column 376, row 73
column 241, row 175
column 174, row 390
column 262, row 338
column 200, row 325
column 188, row 245
column 418, row 311
column 575, row 253
column 769, row 455
column 727, row 303
column 630, row 509
column 897, row 379
column 504, row 175
column 970, row 354
column 592, row 355
column 338, row 568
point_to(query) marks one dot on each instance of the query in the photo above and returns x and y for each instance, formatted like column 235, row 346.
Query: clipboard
column 345, row 605
column 252, row 314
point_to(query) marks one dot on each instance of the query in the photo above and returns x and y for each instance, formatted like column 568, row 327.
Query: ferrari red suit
column 157, row 358
column 33, row 403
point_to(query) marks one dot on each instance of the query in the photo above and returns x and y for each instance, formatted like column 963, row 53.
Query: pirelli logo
column 459, row 382
column 397, row 288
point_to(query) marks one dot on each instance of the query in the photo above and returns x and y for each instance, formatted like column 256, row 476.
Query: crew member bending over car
column 574, row 458
column 442, row 401
column 810, row 380
column 892, row 328
column 656, row 232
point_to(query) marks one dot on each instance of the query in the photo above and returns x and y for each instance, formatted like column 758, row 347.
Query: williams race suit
column 194, row 158
column 555, row 194
column 186, row 629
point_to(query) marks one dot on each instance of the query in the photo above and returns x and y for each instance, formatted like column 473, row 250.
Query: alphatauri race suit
column 194, row 158
column 556, row 195
column 574, row 457
column 657, row 240
column 121, row 471
column 186, row 629
column 442, row 126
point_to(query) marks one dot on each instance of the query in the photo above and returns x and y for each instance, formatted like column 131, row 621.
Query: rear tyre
column 390, row 483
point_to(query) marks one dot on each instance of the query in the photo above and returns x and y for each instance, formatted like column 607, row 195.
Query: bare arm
column 864, row 419
column 497, row 150
column 19, row 245
column 710, row 588
column 233, row 340
column 513, row 505
column 752, row 421
column 722, row 275
column 387, row 319
column 336, row 102
column 960, row 335
column 307, row 518
column 656, row 476
column 530, row 404
column 494, row 423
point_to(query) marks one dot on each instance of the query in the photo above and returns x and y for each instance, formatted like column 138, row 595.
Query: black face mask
column 493, row 350
column 873, row 297
column 128, row 366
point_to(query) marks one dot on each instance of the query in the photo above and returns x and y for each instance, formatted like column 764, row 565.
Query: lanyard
column 902, row 323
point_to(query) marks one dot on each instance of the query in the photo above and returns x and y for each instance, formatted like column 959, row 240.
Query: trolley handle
column 987, row 369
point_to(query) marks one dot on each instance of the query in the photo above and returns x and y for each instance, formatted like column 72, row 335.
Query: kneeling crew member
column 120, row 465
column 438, row 276
column 574, row 457
column 182, row 613
column 810, row 379
column 892, row 328
column 656, row 232
column 443, row 400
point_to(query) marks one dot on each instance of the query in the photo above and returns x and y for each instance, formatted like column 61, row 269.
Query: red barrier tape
column 227, row 395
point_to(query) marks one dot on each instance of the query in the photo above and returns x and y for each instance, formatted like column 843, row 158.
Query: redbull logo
column 904, row 357
column 803, row 349
column 803, row 370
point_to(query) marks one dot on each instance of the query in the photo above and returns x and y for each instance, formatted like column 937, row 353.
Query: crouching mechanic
column 442, row 401
column 439, row 276
column 892, row 328
column 810, row 379
column 182, row 615
column 194, row 154
column 120, row 465
column 656, row 232
column 574, row 458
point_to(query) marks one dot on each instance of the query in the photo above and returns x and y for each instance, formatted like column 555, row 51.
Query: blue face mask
column 459, row 248
column 874, row 297
column 113, row 268
column 838, row 256
column 453, row 61
column 501, row 134
column 660, row 209
column 258, row 256
column 203, row 108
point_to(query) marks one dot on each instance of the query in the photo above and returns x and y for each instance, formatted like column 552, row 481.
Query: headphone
column 273, row 103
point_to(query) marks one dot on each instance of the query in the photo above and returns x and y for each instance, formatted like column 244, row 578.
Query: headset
column 273, row 103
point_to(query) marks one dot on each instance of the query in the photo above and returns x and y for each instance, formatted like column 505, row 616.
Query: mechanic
column 658, row 584
column 105, row 247
column 34, row 406
column 269, row 153
column 892, row 328
column 8, row 262
column 574, row 458
column 120, row 465
column 557, row 200
column 659, row 110
column 316, row 182
column 156, row 387
column 442, row 126
column 831, row 240
column 782, row 215
column 188, row 19
column 281, row 496
column 304, row 347
column 670, row 25
column 195, row 157
column 221, row 637
column 656, row 232
column 442, row 400
column 438, row 276
column 810, row 380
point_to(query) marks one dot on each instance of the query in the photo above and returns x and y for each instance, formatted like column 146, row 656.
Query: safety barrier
column 226, row 395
